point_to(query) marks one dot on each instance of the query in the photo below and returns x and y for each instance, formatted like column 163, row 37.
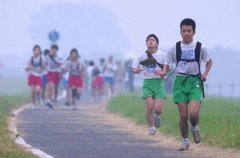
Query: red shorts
column 97, row 82
column 34, row 80
column 75, row 81
column 53, row 77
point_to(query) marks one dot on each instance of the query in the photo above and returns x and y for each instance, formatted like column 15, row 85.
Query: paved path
column 64, row 133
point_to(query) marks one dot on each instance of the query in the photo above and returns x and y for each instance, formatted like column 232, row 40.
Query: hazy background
column 98, row 28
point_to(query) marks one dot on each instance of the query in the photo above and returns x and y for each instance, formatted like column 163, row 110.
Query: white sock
column 185, row 140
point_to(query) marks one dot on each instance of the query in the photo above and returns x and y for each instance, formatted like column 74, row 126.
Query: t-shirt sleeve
column 205, row 54
column 136, row 61
column 170, row 57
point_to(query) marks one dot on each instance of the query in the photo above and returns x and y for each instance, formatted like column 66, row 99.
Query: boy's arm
column 207, row 69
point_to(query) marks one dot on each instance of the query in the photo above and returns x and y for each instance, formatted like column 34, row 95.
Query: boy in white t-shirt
column 150, row 63
column 188, row 89
column 35, row 67
column 54, row 63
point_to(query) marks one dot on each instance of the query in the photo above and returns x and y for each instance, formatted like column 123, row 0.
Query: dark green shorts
column 154, row 88
column 187, row 88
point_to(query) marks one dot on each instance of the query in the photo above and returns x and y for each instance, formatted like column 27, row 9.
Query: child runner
column 97, row 82
column 153, row 86
column 75, row 67
column 188, row 85
column 109, row 76
column 35, row 68
column 44, row 77
column 53, row 66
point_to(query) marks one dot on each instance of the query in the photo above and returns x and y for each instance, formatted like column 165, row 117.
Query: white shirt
column 110, row 70
column 37, row 64
column 188, row 52
column 148, row 70
column 54, row 65
column 75, row 68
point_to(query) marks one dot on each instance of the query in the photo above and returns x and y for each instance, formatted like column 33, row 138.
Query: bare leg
column 194, row 107
column 33, row 95
column 183, row 122
column 149, row 106
column 158, row 106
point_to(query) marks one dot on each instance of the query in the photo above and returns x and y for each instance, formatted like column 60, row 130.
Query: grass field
column 219, row 118
column 13, row 86
column 8, row 149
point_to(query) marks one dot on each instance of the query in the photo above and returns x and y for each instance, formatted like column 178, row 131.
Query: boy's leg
column 149, row 116
column 158, row 106
column 194, row 108
column 38, row 94
column 183, row 124
column 149, row 108
column 183, row 120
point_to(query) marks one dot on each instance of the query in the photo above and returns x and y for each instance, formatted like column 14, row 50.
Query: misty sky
column 110, row 26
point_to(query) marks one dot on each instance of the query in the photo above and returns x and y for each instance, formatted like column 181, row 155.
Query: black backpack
column 197, row 55
column 40, row 62
column 197, row 59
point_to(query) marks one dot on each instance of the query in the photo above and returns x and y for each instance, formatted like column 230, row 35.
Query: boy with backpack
column 35, row 68
column 188, row 89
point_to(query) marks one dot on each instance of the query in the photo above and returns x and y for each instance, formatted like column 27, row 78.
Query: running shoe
column 151, row 131
column 196, row 134
column 49, row 105
column 185, row 145
column 157, row 120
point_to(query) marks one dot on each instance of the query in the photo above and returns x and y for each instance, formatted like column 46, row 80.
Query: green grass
column 13, row 86
column 219, row 118
column 8, row 149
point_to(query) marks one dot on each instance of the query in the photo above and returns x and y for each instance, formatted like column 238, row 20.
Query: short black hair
column 46, row 52
column 74, row 50
column 37, row 46
column 188, row 21
column 91, row 63
column 54, row 46
column 154, row 36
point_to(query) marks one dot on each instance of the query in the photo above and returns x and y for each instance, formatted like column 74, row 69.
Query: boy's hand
column 204, row 77
column 137, row 70
column 160, row 73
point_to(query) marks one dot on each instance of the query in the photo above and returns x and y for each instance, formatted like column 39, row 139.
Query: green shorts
column 154, row 88
column 187, row 88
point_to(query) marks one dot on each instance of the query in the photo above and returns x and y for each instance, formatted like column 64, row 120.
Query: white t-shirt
column 75, row 68
column 54, row 63
column 188, row 52
column 148, row 70
column 37, row 64
column 110, row 70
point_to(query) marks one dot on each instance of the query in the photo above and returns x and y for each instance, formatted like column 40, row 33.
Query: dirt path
column 93, row 132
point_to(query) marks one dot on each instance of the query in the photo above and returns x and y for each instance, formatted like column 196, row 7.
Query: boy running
column 75, row 67
column 188, row 85
column 44, row 77
column 53, row 66
column 35, row 68
column 109, row 76
column 150, row 63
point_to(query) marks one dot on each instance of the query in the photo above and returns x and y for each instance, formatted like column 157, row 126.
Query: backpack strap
column 197, row 54
column 149, row 55
column 178, row 51
column 32, row 62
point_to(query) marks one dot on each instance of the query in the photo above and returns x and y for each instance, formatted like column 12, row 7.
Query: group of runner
column 46, row 72
column 188, row 89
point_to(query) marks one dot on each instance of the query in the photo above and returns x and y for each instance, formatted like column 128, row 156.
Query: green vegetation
column 219, row 118
column 8, row 149
column 13, row 86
